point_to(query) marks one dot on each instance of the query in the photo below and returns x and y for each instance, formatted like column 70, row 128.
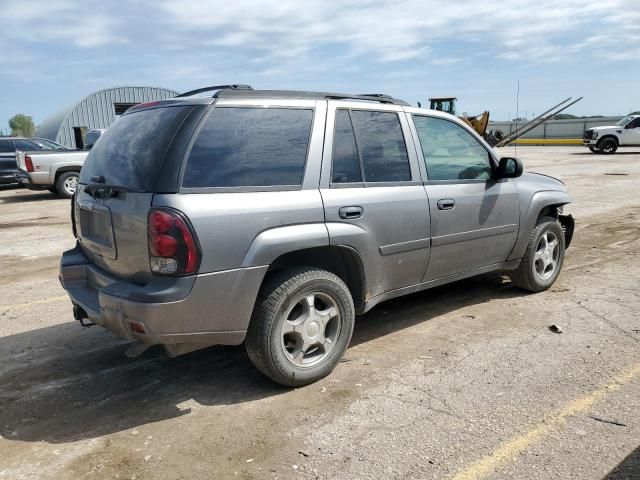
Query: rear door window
column 346, row 163
column 131, row 151
column 250, row 147
column 370, row 142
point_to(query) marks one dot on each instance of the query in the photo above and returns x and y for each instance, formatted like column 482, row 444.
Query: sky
column 54, row 52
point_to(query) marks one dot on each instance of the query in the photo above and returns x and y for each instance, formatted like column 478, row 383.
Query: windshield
column 624, row 121
column 130, row 152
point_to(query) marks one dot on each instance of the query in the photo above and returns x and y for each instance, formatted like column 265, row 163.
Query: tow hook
column 80, row 315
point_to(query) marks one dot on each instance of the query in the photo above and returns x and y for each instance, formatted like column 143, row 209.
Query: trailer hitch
column 81, row 315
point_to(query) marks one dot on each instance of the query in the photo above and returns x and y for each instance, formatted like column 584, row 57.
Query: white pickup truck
column 625, row 133
column 57, row 172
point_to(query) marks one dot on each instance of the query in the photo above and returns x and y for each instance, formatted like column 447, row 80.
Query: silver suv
column 274, row 217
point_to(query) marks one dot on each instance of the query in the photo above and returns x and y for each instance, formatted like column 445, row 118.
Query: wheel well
column 62, row 170
column 609, row 136
column 550, row 211
column 344, row 262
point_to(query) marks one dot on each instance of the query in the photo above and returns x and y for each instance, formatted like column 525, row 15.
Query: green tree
column 22, row 125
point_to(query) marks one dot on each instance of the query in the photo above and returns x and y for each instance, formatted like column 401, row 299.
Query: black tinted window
column 346, row 164
column 250, row 147
column 5, row 146
column 635, row 123
column 26, row 145
column 131, row 151
column 381, row 146
column 450, row 152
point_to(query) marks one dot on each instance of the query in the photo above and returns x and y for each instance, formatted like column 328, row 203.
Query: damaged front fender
column 568, row 225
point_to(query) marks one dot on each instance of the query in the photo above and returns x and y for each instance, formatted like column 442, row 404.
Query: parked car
column 274, row 217
column 8, row 147
column 625, row 133
column 56, row 171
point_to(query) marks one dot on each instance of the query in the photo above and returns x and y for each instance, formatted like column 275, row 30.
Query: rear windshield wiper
column 106, row 190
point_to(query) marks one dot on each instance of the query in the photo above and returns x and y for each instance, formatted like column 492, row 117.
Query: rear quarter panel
column 247, row 229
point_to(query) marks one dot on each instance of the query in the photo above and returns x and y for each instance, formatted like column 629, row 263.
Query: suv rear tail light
column 173, row 249
column 28, row 163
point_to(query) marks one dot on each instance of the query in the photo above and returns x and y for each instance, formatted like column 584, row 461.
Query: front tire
column 608, row 146
column 301, row 326
column 594, row 149
column 67, row 183
column 543, row 258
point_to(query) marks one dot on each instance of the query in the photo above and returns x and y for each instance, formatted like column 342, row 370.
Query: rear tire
column 607, row 145
column 543, row 258
column 67, row 183
column 301, row 326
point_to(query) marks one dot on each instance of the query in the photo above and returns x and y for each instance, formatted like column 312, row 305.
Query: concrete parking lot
column 465, row 381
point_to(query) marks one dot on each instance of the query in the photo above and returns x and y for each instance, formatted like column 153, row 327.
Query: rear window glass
column 250, row 147
column 130, row 152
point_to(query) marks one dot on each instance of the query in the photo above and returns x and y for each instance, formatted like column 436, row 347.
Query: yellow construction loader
column 448, row 104
column 497, row 138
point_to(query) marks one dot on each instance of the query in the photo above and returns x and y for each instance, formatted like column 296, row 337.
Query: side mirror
column 509, row 167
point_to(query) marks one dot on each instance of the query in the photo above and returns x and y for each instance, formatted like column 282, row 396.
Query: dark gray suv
column 274, row 217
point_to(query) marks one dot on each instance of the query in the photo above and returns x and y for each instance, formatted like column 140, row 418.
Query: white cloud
column 66, row 21
column 400, row 30
column 300, row 34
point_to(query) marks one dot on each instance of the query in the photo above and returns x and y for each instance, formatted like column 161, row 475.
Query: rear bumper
column 178, row 312
column 7, row 177
column 26, row 180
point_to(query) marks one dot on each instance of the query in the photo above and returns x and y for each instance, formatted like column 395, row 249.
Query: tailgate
column 113, row 233
column 112, row 225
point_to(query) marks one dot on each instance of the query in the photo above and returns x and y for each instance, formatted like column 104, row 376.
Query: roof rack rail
column 214, row 88
column 371, row 97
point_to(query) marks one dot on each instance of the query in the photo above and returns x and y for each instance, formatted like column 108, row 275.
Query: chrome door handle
column 446, row 204
column 350, row 213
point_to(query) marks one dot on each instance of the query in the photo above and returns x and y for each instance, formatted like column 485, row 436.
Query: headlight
column 594, row 135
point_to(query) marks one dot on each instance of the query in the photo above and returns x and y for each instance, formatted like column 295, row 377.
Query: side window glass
column 250, row 147
column 346, row 164
column 450, row 152
column 5, row 146
column 381, row 146
column 26, row 145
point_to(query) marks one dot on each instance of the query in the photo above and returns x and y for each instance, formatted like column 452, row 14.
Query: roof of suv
column 304, row 95
column 247, row 92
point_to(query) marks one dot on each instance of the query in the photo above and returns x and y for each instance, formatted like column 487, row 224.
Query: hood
column 544, row 182
column 611, row 127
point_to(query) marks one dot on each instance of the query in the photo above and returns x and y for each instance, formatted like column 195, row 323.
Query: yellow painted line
column 549, row 141
column 510, row 449
column 34, row 302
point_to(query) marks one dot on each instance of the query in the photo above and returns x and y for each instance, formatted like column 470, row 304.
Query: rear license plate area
column 96, row 229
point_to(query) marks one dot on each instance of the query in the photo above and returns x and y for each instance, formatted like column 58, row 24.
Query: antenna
column 515, row 145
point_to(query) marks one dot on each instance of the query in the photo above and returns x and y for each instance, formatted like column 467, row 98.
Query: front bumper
column 182, row 313
column 587, row 142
